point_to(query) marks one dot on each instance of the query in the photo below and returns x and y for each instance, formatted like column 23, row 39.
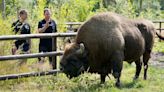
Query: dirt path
column 157, row 59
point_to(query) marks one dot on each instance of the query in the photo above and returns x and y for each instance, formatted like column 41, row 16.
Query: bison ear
column 81, row 49
column 68, row 41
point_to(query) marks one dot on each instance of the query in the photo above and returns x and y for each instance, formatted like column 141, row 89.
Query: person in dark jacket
column 21, row 27
column 46, row 25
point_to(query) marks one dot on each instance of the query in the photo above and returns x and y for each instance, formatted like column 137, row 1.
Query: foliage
column 158, row 47
column 80, row 10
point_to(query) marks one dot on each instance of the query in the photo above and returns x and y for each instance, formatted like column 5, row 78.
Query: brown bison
column 104, row 42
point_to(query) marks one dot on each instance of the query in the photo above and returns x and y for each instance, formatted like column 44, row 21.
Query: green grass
column 159, row 49
column 158, row 46
column 88, row 83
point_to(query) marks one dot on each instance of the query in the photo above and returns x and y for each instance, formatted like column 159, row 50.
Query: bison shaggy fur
column 106, row 40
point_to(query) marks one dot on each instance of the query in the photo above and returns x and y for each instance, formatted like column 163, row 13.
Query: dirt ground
column 157, row 59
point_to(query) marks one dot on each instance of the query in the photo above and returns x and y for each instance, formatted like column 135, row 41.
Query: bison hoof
column 118, row 84
column 135, row 78
column 102, row 82
column 145, row 78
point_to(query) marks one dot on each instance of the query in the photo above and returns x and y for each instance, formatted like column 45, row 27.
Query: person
column 46, row 25
column 21, row 27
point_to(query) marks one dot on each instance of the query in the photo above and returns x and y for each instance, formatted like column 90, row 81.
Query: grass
column 158, row 46
column 88, row 83
column 159, row 50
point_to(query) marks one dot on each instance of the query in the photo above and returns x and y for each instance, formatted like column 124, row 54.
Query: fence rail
column 71, row 24
column 158, row 21
column 160, row 25
column 16, row 76
column 27, row 36
column 23, row 56
column 35, row 55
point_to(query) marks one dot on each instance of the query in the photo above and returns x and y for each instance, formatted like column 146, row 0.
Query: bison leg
column 103, row 76
column 138, row 68
column 146, row 57
column 117, row 60
column 104, row 72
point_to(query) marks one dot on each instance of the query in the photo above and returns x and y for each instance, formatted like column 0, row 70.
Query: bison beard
column 104, row 42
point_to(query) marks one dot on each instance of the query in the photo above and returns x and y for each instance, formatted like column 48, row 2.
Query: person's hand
column 47, row 24
column 43, row 29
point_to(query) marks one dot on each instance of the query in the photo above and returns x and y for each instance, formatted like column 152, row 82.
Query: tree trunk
column 140, row 6
column 106, row 3
column 3, row 9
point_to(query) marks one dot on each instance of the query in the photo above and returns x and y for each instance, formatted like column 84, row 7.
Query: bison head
column 74, row 60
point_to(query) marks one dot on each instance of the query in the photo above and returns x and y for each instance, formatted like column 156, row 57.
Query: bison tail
column 159, row 36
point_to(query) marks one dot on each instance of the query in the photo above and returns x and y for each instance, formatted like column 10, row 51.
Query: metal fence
column 160, row 24
column 54, row 53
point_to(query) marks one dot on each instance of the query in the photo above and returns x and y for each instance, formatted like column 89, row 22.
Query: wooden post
column 160, row 29
column 54, row 59
column 71, row 27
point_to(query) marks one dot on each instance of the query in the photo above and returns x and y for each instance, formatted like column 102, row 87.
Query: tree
column 140, row 6
column 106, row 3
column 162, row 4
column 3, row 9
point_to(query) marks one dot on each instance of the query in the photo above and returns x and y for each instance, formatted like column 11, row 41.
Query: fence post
column 54, row 46
column 70, row 27
column 160, row 29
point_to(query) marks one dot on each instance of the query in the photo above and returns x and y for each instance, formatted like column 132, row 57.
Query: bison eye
column 61, row 64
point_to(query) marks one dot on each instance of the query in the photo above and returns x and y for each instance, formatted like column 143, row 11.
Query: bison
column 106, row 40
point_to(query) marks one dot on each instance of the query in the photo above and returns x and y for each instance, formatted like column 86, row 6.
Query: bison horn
column 82, row 48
